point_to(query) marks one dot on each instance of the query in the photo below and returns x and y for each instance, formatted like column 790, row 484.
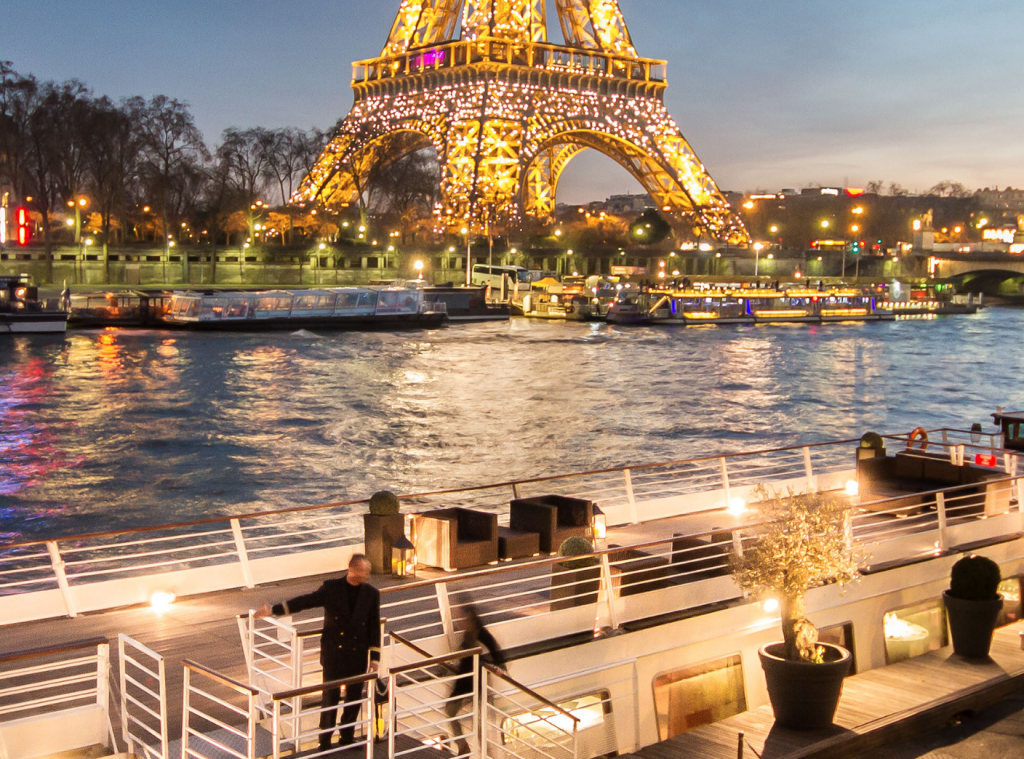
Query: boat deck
column 877, row 707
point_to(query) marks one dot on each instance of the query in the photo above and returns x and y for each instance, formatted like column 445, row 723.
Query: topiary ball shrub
column 577, row 546
column 975, row 578
column 871, row 440
column 383, row 503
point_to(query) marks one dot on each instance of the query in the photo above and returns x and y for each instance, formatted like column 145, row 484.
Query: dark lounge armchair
column 455, row 538
column 553, row 517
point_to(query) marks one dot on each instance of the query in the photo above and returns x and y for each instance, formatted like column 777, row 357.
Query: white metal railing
column 424, row 711
column 296, row 714
column 220, row 715
column 55, row 699
column 143, row 681
column 86, row 573
column 520, row 723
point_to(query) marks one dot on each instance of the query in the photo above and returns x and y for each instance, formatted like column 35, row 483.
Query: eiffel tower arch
column 506, row 111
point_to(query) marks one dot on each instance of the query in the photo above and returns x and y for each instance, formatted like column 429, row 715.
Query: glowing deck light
column 161, row 601
column 737, row 506
column 770, row 605
column 852, row 488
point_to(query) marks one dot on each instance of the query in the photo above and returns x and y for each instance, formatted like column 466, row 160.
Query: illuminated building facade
column 506, row 111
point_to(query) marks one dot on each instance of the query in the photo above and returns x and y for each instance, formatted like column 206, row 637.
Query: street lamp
column 469, row 276
column 418, row 266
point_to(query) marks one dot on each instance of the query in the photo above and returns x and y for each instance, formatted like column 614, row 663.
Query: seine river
column 108, row 429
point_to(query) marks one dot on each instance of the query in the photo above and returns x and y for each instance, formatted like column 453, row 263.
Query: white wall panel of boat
column 27, row 607
column 54, row 733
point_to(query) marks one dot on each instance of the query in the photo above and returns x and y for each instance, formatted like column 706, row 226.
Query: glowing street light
column 825, row 223
column 418, row 266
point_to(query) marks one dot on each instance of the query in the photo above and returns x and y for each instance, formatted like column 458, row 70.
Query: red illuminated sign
column 22, row 223
column 985, row 459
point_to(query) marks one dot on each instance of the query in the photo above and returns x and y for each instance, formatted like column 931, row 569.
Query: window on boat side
column 304, row 303
column 189, row 307
column 914, row 630
column 538, row 727
column 212, row 308
column 688, row 698
column 237, row 308
column 325, row 302
column 266, row 305
column 348, row 300
column 368, row 299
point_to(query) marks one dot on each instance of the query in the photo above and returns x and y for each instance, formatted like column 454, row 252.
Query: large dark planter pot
column 379, row 533
column 971, row 624
column 804, row 696
column 574, row 587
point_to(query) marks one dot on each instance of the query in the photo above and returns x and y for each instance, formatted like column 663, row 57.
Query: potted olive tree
column 973, row 604
column 381, row 528
column 801, row 544
column 575, row 581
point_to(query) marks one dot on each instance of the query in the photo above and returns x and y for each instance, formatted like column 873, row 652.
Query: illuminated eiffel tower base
column 506, row 111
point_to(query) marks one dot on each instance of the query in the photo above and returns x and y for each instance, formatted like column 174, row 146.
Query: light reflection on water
column 108, row 429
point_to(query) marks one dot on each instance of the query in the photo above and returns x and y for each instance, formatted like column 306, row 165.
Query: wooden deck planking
column 882, row 704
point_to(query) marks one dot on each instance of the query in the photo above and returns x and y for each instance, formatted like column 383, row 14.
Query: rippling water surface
column 100, row 430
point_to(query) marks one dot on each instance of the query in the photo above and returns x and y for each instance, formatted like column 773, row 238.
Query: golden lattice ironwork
column 506, row 110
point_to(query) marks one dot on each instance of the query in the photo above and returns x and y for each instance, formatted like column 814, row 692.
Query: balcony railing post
column 627, row 479
column 392, row 717
column 243, row 555
column 371, row 717
column 444, row 607
column 250, row 732
column 609, row 591
column 474, row 743
column 62, row 579
column 940, row 510
column 945, row 437
column 725, row 477
column 808, row 468
column 103, row 687
column 276, row 729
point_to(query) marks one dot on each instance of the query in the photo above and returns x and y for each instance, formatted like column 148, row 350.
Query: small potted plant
column 575, row 581
column 801, row 544
column 973, row 604
column 382, row 527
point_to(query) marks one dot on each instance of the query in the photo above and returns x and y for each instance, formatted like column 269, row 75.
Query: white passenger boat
column 653, row 640
column 324, row 308
column 21, row 311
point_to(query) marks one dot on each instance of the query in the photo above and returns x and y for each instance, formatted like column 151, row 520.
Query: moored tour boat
column 21, row 311
column 326, row 308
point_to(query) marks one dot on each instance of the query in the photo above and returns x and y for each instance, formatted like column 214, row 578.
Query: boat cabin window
column 538, row 727
column 237, row 308
column 305, row 303
column 690, row 697
column 188, row 307
column 914, row 630
column 1012, row 610
column 213, row 308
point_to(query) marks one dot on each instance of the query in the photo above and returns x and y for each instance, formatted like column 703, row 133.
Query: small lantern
column 600, row 524
column 403, row 558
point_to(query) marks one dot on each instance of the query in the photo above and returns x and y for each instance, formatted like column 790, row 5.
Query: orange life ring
column 918, row 433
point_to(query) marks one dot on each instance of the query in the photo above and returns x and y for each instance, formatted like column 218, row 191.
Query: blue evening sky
column 770, row 94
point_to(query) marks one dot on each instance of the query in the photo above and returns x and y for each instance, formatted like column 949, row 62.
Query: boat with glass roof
column 357, row 308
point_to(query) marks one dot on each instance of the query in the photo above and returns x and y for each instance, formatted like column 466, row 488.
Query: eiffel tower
column 506, row 110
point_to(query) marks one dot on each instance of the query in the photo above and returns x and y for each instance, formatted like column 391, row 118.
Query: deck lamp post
column 469, row 275
column 403, row 558
column 758, row 247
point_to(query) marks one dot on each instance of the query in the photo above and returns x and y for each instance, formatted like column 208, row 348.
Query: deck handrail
column 60, row 648
column 453, row 491
column 436, row 660
column 306, row 690
column 435, row 493
column 218, row 677
column 532, row 693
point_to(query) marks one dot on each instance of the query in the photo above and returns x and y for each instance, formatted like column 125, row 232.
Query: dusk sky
column 769, row 94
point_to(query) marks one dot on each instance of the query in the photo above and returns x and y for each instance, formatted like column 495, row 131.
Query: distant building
column 624, row 204
column 1006, row 200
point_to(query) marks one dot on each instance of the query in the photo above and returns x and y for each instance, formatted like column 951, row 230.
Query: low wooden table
column 515, row 544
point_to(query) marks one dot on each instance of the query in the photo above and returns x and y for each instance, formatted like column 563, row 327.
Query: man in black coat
column 351, row 635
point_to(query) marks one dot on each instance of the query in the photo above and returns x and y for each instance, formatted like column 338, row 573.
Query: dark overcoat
column 348, row 638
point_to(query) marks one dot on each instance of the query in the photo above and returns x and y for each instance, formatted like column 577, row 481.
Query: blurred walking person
column 473, row 634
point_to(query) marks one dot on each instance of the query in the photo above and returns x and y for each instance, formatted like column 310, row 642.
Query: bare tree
column 16, row 98
column 876, row 186
column 406, row 189
column 173, row 147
